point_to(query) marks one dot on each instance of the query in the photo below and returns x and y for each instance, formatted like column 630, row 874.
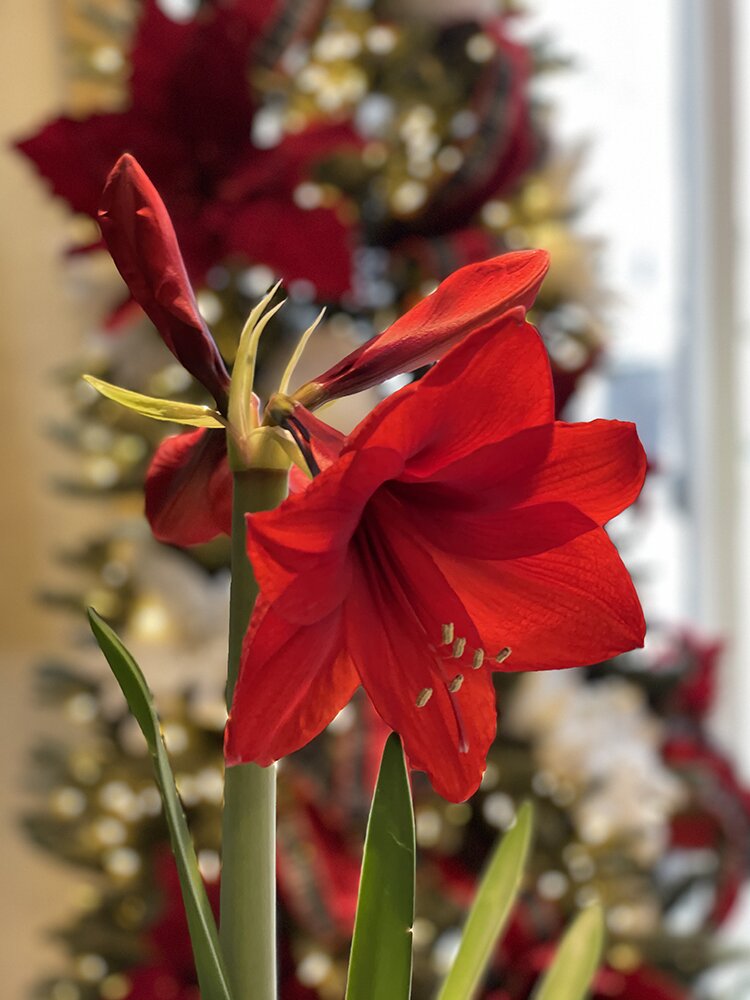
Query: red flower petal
column 142, row 241
column 491, row 533
column 568, row 607
column 498, row 382
column 300, row 550
column 293, row 681
column 189, row 488
column 598, row 466
column 472, row 297
column 399, row 600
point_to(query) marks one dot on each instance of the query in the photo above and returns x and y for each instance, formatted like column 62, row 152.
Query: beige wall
column 40, row 327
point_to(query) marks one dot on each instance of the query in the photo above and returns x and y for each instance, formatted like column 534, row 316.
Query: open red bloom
column 459, row 531
column 188, row 120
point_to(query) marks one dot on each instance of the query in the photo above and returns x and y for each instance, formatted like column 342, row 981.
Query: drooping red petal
column 189, row 488
column 140, row 237
column 568, row 607
column 300, row 550
column 293, row 681
column 398, row 602
column 494, row 384
column 470, row 298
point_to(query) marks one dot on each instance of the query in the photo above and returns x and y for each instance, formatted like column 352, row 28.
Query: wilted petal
column 189, row 488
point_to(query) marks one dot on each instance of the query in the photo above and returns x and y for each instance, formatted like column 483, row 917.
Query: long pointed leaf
column 209, row 964
column 576, row 960
column 490, row 911
column 380, row 963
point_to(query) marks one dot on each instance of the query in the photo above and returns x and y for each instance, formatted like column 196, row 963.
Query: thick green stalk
column 248, row 881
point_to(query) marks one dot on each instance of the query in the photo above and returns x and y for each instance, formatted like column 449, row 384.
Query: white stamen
column 455, row 684
column 503, row 655
column 448, row 634
column 423, row 697
column 478, row 659
column 458, row 648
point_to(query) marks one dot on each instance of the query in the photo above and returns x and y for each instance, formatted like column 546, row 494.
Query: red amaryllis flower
column 188, row 120
column 188, row 485
column 460, row 529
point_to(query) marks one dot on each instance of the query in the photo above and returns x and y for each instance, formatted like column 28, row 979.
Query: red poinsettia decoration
column 188, row 121
column 459, row 531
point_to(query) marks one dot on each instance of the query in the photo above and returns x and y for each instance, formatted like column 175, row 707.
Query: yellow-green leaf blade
column 212, row 976
column 380, row 962
column 490, row 910
column 577, row 958
column 157, row 409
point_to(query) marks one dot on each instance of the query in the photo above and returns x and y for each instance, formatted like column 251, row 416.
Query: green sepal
column 576, row 960
column 380, row 962
column 158, row 409
column 209, row 964
column 497, row 892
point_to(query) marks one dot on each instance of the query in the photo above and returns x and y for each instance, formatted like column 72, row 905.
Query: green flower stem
column 247, row 928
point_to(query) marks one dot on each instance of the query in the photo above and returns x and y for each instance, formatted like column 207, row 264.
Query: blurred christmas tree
column 361, row 151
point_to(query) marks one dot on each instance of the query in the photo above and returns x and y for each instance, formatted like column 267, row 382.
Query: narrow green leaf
column 209, row 964
column 577, row 958
column 157, row 409
column 490, row 910
column 380, row 962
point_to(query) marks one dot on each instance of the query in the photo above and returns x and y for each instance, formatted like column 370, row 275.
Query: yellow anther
column 477, row 659
column 458, row 648
column 423, row 697
column 456, row 683
column 448, row 634
column 503, row 655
